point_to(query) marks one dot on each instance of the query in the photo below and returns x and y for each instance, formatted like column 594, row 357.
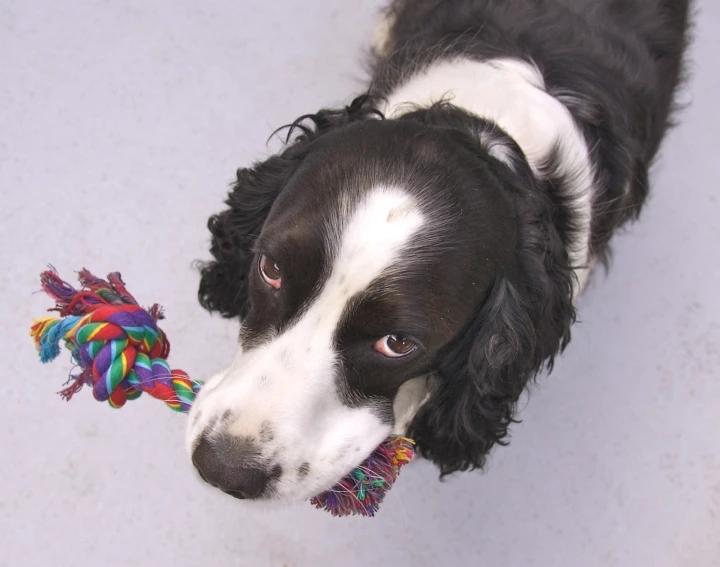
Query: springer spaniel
column 408, row 263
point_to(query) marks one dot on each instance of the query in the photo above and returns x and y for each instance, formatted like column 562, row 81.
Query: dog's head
column 391, row 276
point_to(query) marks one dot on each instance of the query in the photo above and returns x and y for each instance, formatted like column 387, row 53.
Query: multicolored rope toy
column 121, row 353
column 116, row 343
column 362, row 491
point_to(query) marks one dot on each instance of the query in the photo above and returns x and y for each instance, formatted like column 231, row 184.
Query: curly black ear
column 224, row 280
column 523, row 323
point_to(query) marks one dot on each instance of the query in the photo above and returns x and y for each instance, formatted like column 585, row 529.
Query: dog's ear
column 516, row 332
column 224, row 280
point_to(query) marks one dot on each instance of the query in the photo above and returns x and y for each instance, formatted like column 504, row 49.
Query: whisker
column 344, row 491
column 402, row 505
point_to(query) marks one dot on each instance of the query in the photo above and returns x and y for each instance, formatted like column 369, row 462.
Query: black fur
column 614, row 63
column 522, row 325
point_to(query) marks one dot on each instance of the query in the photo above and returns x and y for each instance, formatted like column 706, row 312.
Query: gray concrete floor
column 121, row 124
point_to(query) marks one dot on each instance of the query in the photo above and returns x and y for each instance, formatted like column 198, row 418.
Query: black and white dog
column 408, row 263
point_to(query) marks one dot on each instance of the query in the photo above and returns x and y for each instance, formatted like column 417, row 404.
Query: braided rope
column 116, row 343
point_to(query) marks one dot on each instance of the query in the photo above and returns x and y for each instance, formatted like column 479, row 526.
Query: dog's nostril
column 246, row 483
column 223, row 468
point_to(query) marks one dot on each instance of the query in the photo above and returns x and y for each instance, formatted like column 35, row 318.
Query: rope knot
column 116, row 343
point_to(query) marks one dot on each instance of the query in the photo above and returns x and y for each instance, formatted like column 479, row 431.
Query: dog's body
column 411, row 274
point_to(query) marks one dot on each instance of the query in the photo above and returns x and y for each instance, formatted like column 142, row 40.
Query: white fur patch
column 411, row 395
column 289, row 383
column 497, row 148
column 381, row 35
column 512, row 94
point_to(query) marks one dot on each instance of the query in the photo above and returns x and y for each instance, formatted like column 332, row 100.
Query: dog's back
column 641, row 40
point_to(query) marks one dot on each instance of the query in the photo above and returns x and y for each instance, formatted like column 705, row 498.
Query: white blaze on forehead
column 369, row 241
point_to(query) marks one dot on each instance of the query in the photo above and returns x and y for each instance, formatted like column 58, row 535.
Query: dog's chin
column 299, row 494
column 288, row 491
column 278, row 498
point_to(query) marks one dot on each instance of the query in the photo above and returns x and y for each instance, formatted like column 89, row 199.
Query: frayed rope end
column 47, row 349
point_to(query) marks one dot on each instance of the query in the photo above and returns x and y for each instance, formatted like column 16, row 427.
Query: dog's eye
column 270, row 271
column 395, row 346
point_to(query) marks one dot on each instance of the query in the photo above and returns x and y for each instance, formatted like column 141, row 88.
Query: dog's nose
column 220, row 463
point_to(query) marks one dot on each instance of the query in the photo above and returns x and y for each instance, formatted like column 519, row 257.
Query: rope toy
column 121, row 353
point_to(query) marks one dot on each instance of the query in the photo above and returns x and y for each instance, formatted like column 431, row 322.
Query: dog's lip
column 235, row 494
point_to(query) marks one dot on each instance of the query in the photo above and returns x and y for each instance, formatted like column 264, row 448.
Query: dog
column 409, row 263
